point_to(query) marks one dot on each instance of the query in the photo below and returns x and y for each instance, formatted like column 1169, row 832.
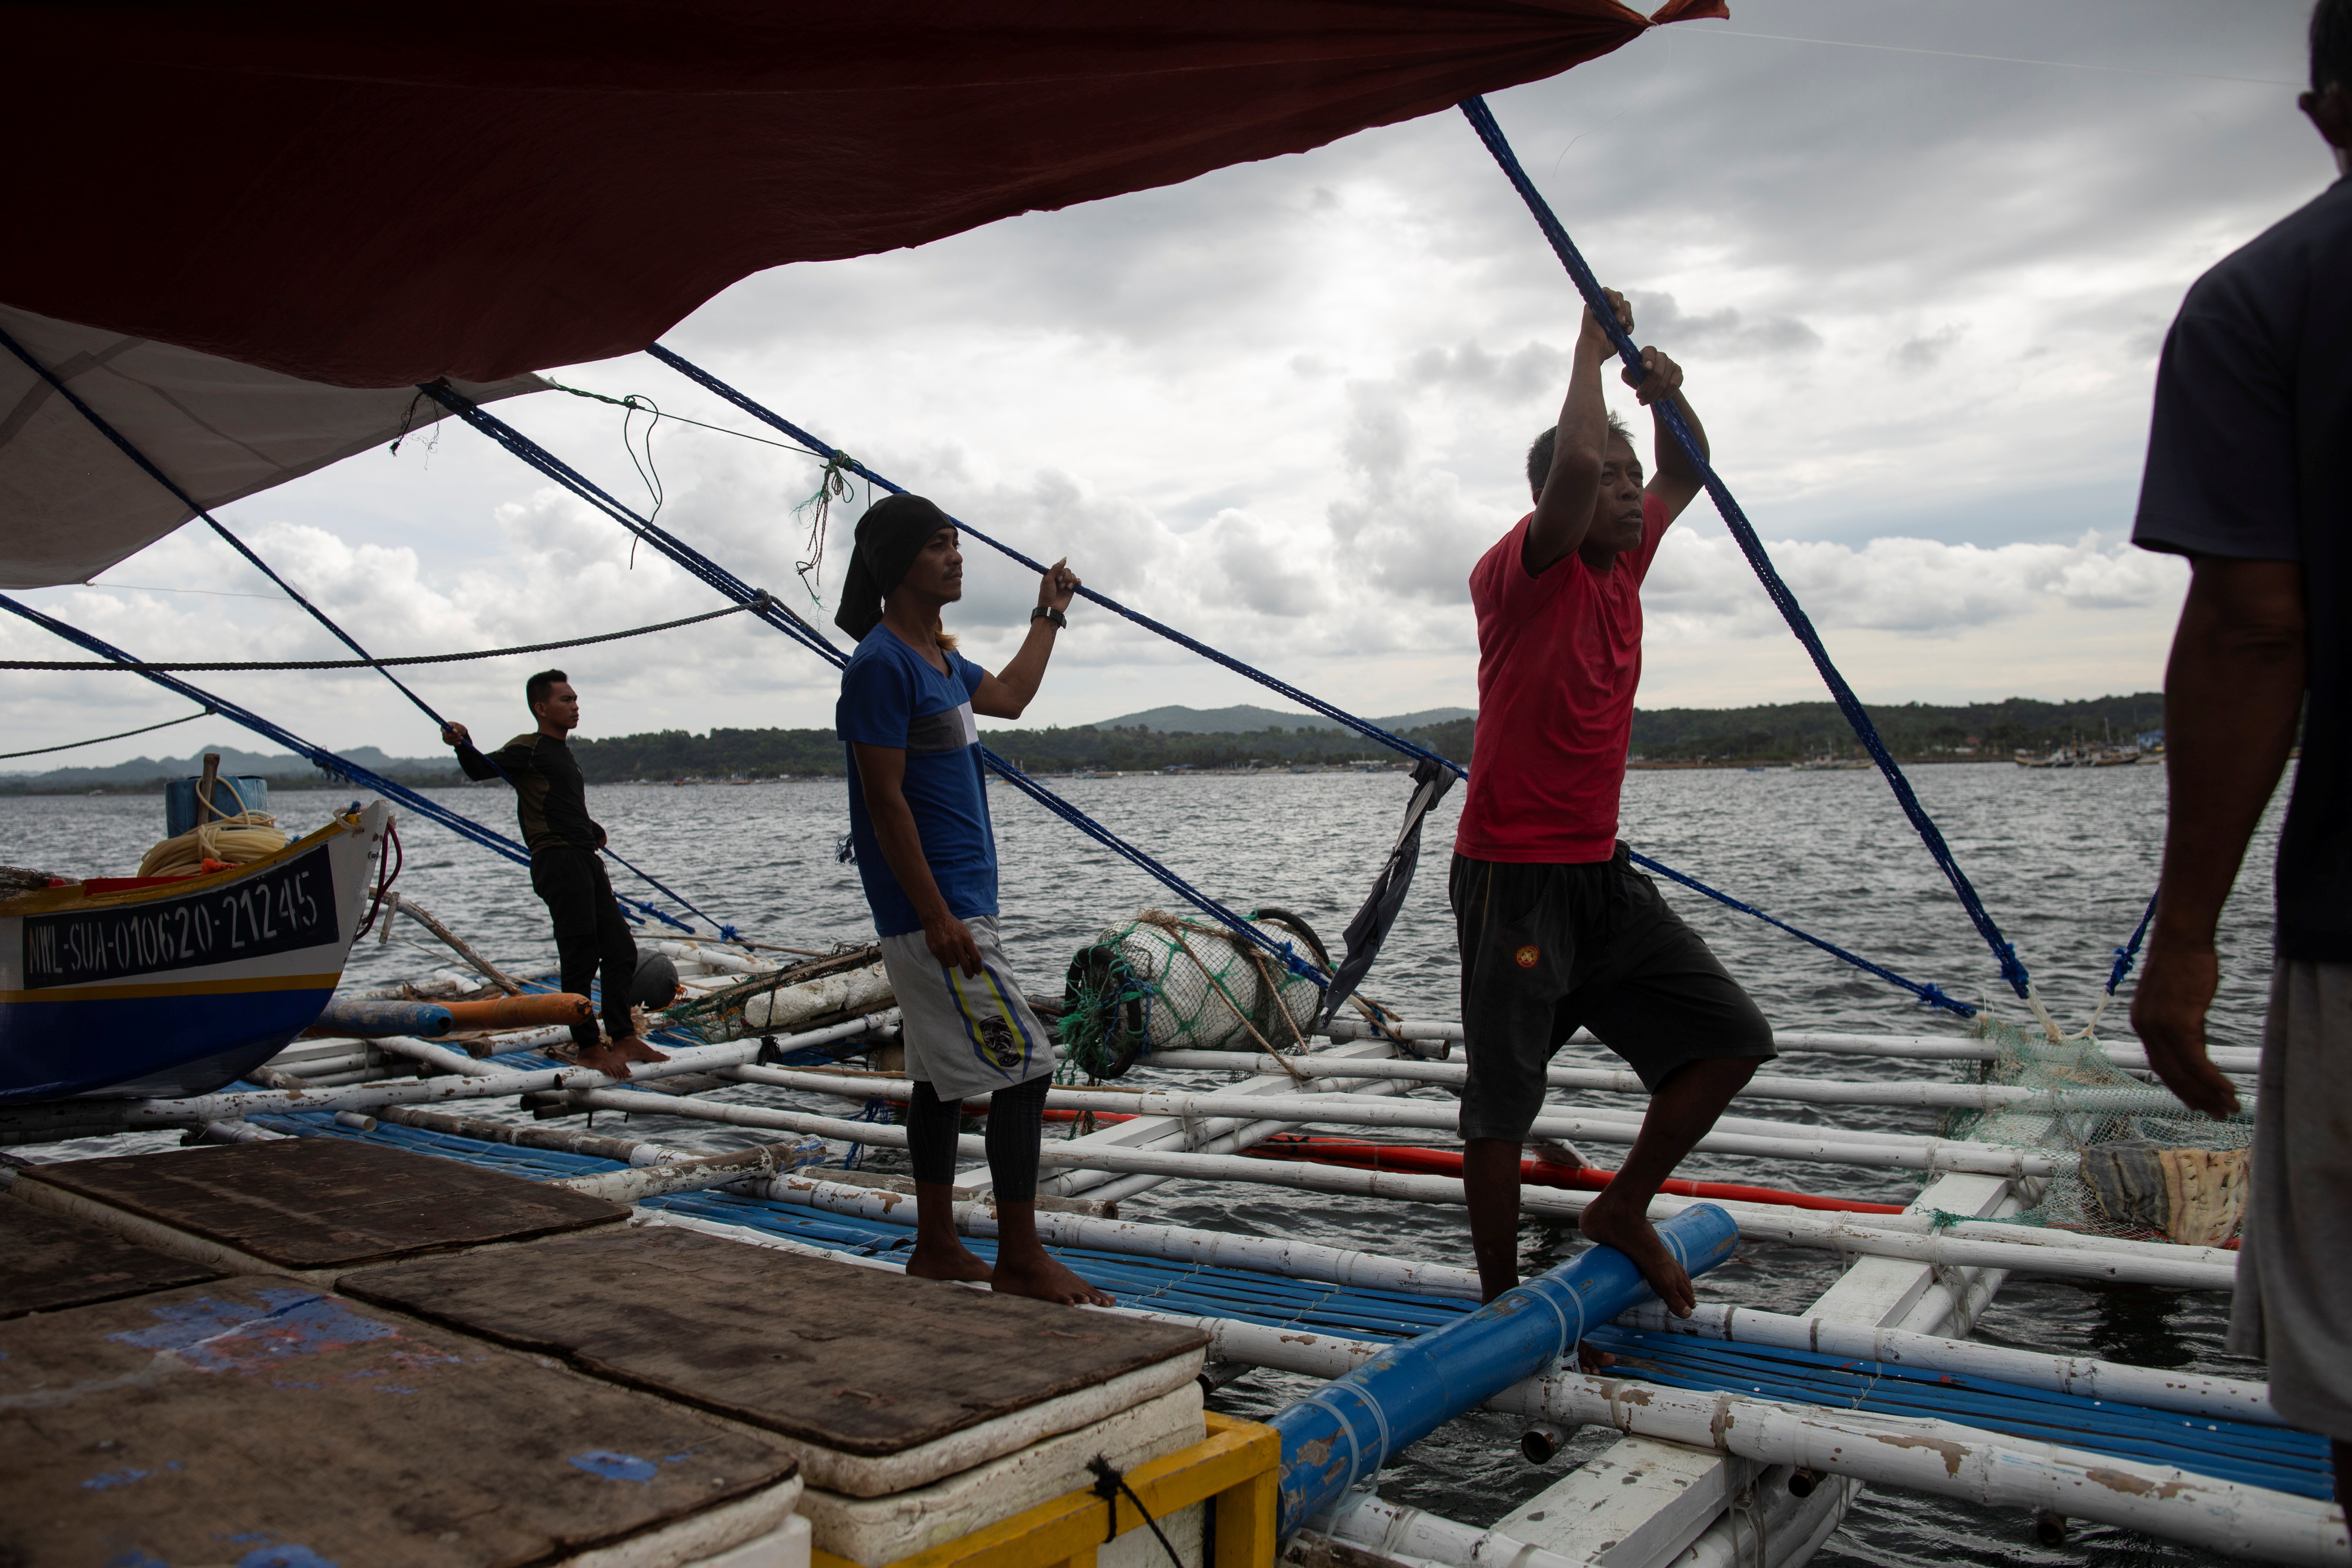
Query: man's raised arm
column 1564, row 507
column 1675, row 480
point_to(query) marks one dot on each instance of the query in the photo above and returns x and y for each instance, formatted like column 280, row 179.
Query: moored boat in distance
column 176, row 986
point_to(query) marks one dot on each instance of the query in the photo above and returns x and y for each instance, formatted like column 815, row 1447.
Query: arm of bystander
column 2233, row 694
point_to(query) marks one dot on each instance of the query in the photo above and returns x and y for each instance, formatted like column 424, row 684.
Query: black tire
column 1274, row 914
column 1090, row 969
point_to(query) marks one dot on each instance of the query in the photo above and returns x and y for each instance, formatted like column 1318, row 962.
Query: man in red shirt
column 1557, row 929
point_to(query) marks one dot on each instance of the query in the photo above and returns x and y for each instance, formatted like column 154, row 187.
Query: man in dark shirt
column 2250, row 476
column 552, row 799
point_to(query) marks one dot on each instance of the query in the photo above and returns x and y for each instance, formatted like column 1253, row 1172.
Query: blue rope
column 834, row 455
column 122, row 444
column 138, row 457
column 1930, row 994
column 2128, row 954
column 2011, row 968
column 1281, row 951
column 818, row 448
column 318, row 756
column 783, row 618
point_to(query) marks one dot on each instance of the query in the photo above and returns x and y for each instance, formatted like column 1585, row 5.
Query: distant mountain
column 234, row 762
column 1250, row 719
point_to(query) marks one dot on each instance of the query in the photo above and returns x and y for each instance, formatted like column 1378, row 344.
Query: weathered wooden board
column 47, row 1262
column 258, row 1419
column 856, row 1360
column 326, row 1203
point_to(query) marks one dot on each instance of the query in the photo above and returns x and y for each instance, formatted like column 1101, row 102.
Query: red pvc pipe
column 1309, row 1148
column 1421, row 1160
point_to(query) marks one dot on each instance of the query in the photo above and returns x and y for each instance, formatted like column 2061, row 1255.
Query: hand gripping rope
column 2013, row 970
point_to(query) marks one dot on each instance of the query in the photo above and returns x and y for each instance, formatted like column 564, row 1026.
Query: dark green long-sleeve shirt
column 550, row 793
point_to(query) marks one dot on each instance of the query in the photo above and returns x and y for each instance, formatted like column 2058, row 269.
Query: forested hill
column 1781, row 731
column 1778, row 733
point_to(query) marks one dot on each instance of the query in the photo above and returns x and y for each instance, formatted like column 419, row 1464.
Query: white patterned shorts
column 965, row 1034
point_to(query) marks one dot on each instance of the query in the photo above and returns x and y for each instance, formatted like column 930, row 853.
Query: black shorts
column 1546, row 948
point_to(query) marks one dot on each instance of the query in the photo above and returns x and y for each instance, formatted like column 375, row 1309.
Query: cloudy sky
column 1915, row 256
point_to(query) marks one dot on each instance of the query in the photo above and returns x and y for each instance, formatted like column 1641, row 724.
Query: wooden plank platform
column 48, row 1262
column 324, row 1203
column 853, row 1360
column 257, row 1416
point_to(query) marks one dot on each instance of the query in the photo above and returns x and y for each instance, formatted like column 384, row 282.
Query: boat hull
column 178, row 989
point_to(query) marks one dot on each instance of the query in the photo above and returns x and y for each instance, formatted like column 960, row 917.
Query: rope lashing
column 317, row 756
column 768, row 608
column 2012, row 969
column 122, row 444
column 145, row 666
column 125, row 735
column 1363, row 726
column 1931, row 995
column 2128, row 954
column 833, row 456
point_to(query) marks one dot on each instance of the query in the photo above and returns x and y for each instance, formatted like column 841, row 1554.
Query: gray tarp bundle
column 71, row 505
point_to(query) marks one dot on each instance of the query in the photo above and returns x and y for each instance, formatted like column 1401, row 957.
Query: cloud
column 1925, row 351
column 1527, row 371
column 1657, row 319
column 1284, row 406
column 1702, row 589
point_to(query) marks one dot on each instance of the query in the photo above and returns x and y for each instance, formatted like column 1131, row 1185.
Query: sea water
column 2064, row 860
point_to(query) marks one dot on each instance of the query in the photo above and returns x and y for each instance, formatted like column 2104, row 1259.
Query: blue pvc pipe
column 423, row 1020
column 1344, row 1433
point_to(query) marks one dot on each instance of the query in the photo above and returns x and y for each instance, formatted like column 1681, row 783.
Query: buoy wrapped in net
column 1160, row 983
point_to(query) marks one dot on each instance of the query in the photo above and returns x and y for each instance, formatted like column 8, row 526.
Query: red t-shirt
column 1559, row 656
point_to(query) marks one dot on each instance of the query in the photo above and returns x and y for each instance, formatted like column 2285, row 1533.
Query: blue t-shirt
column 891, row 695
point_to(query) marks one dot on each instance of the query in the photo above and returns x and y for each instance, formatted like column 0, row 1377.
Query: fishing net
column 1162, row 983
column 2145, row 1165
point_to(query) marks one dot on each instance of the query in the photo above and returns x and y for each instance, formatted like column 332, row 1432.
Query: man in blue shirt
column 927, row 854
column 2250, row 477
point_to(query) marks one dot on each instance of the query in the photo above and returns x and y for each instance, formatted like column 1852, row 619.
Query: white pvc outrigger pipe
column 2133, row 1101
column 1341, row 1110
column 2077, row 1257
column 1294, row 1259
column 1941, row 1458
column 1899, row 1047
column 2191, row 1394
column 196, row 1110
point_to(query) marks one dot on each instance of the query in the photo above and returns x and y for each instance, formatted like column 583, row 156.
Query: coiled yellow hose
column 240, row 839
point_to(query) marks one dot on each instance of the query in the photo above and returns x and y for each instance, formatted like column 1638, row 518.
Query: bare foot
column 1047, row 1280
column 950, row 1260
column 1629, row 1230
column 615, row 1057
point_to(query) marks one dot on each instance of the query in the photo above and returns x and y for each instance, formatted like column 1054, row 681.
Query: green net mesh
column 1162, row 983
column 2143, row 1165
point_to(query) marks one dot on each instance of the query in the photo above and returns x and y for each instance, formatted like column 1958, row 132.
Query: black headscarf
column 890, row 534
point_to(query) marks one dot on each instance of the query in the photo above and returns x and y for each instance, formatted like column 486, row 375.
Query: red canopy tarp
column 371, row 195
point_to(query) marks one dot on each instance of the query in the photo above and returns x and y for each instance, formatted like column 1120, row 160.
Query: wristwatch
column 1047, row 613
